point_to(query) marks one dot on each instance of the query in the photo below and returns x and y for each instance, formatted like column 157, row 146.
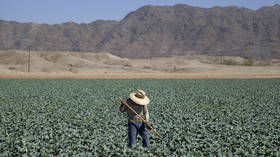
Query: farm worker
column 138, row 102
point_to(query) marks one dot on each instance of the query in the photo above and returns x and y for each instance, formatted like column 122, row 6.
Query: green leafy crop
column 195, row 117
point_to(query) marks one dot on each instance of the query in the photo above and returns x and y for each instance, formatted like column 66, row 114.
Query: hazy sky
column 86, row 11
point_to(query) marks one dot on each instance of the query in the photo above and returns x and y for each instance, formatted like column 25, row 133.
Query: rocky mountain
column 155, row 31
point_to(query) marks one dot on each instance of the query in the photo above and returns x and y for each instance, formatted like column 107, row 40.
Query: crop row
column 195, row 117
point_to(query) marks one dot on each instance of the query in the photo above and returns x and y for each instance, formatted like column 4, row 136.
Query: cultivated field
column 225, row 117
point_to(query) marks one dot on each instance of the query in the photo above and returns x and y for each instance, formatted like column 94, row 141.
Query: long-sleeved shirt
column 137, row 108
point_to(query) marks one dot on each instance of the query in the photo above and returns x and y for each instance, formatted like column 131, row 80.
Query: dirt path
column 134, row 76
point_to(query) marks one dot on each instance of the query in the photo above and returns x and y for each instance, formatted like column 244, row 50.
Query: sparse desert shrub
column 229, row 62
column 275, row 62
column 174, row 69
column 12, row 68
column 249, row 62
column 127, row 64
column 146, row 67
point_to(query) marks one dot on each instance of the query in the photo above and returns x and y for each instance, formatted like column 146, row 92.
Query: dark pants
column 135, row 128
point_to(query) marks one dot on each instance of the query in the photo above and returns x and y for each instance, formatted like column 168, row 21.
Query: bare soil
column 133, row 76
column 69, row 65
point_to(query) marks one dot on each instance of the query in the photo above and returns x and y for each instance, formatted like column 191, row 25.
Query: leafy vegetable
column 195, row 117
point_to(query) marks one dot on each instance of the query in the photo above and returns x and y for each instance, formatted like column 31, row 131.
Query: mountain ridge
column 157, row 31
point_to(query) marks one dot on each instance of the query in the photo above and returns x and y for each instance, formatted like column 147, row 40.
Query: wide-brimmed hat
column 139, row 97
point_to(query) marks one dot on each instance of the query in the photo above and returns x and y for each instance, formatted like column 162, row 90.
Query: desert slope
column 102, row 65
column 158, row 31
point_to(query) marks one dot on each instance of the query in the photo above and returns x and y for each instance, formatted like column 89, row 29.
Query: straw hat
column 139, row 97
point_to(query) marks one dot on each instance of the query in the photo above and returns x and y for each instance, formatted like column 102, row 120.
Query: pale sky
column 86, row 11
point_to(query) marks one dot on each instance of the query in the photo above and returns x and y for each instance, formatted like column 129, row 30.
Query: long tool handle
column 123, row 102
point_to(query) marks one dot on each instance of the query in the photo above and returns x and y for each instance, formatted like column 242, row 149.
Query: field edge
column 135, row 76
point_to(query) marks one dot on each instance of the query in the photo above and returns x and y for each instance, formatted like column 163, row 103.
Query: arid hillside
column 43, row 62
column 158, row 31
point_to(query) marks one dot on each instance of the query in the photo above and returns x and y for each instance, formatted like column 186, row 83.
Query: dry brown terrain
column 14, row 64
